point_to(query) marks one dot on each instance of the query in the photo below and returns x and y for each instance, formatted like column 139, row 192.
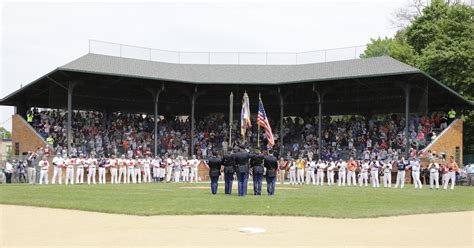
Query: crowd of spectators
column 132, row 134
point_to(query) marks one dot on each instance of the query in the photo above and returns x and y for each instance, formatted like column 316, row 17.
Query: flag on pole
column 262, row 121
column 245, row 115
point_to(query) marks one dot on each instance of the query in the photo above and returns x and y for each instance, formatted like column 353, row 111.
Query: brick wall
column 449, row 140
column 25, row 136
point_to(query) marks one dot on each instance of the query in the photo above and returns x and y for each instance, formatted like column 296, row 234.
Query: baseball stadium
column 135, row 146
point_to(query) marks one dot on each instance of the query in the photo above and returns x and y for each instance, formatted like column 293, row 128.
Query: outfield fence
column 236, row 58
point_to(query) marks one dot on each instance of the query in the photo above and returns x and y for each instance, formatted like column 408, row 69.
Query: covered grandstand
column 364, row 87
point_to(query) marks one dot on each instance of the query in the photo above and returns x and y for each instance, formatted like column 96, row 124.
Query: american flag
column 262, row 121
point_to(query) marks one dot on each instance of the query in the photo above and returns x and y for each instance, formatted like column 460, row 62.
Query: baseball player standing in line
column 434, row 174
column 102, row 165
column 310, row 167
column 452, row 169
column 44, row 169
column 374, row 173
column 186, row 168
column 156, row 168
column 283, row 166
column 131, row 171
column 177, row 168
column 292, row 172
column 300, row 164
column 415, row 166
column 70, row 162
column 137, row 172
column 330, row 170
column 169, row 168
column 351, row 174
column 91, row 164
column 122, row 164
column 146, row 169
column 113, row 164
column 320, row 175
column 81, row 162
column 364, row 174
column 401, row 166
column 194, row 164
column 58, row 164
column 342, row 166
column 387, row 174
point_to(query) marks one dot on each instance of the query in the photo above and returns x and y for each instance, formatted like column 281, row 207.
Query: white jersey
column 387, row 168
column 92, row 163
column 170, row 163
column 292, row 166
column 364, row 168
column 311, row 165
column 374, row 166
column 43, row 164
column 194, row 163
column 70, row 162
column 113, row 163
column 321, row 166
column 342, row 166
column 156, row 163
column 146, row 162
column 434, row 168
column 331, row 166
column 415, row 165
column 80, row 163
column 58, row 161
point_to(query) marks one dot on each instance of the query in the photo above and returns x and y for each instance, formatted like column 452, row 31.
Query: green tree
column 440, row 42
column 5, row 133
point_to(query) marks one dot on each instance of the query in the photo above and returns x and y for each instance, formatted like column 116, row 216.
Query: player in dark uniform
column 241, row 159
column 271, row 163
column 214, row 165
column 256, row 163
column 229, row 165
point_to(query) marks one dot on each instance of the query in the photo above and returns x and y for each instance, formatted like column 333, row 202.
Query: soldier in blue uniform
column 214, row 164
column 271, row 163
column 256, row 163
column 241, row 159
column 229, row 169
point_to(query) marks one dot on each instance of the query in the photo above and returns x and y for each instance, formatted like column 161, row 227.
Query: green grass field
column 190, row 199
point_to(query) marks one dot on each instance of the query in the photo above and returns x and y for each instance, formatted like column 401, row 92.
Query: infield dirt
column 44, row 227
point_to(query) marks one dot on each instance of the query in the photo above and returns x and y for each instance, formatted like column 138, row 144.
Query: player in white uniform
column 387, row 174
column 91, row 165
column 131, row 171
column 156, row 168
column 342, row 167
column 364, row 174
column 70, row 162
column 310, row 167
column 44, row 169
column 292, row 171
column 138, row 169
column 434, row 174
column 415, row 166
column 194, row 165
column 169, row 168
column 122, row 164
column 330, row 172
column 320, row 175
column 146, row 163
column 374, row 173
column 80, row 163
column 58, row 164
column 177, row 168
column 113, row 164
column 186, row 167
column 162, row 169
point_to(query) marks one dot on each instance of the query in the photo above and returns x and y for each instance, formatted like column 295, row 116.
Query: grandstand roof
column 110, row 83
column 237, row 74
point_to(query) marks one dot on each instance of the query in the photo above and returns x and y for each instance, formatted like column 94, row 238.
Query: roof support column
column 70, row 90
column 193, row 103
column 281, row 122
column 320, row 95
column 407, row 119
column 156, row 99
